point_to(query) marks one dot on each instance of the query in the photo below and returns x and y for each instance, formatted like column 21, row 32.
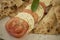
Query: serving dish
column 4, row 35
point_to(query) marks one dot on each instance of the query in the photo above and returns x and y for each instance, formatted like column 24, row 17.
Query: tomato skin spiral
column 17, row 27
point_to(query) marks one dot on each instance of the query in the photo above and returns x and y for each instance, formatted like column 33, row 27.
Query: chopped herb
column 34, row 5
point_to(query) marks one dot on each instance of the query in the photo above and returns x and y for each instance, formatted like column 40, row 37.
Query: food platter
column 39, row 20
column 6, row 36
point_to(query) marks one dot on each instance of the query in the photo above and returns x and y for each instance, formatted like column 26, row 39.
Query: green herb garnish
column 34, row 5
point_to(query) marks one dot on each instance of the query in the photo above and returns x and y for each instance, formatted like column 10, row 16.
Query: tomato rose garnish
column 17, row 27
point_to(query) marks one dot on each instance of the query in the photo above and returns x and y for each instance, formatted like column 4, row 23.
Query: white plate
column 6, row 36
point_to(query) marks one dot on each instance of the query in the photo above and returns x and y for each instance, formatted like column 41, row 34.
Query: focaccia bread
column 57, row 13
column 50, row 24
column 9, row 7
column 55, row 2
column 47, row 24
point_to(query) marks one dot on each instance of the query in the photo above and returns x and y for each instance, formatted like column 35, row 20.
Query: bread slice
column 9, row 7
column 57, row 13
column 55, row 2
column 46, row 25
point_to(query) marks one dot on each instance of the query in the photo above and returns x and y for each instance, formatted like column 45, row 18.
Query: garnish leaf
column 34, row 5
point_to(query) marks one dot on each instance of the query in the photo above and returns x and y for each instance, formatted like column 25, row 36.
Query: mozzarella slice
column 39, row 11
column 28, row 18
column 47, row 2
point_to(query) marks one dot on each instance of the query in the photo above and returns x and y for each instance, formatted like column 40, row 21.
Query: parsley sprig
column 34, row 5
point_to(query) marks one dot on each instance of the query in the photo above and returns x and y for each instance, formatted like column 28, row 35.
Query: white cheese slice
column 47, row 2
column 28, row 18
column 39, row 11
